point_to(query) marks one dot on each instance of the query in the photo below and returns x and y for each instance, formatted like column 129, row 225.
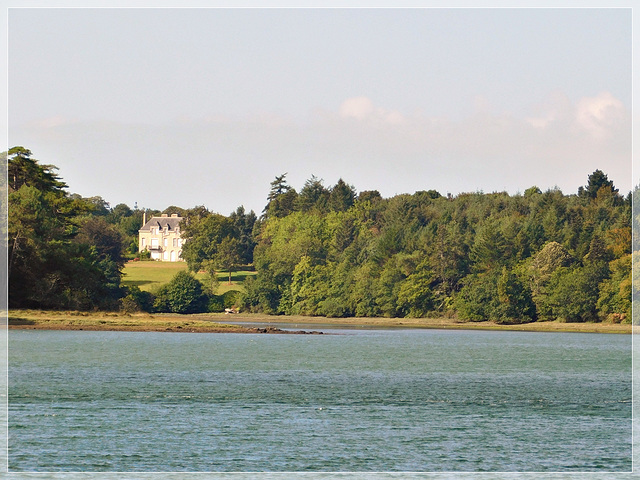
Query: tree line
column 331, row 251
column 68, row 252
column 476, row 256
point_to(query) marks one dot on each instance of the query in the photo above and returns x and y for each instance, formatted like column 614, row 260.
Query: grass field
column 150, row 275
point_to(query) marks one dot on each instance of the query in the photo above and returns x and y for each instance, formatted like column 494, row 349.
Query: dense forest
column 331, row 251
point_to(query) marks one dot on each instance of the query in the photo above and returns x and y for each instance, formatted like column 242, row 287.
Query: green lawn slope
column 149, row 275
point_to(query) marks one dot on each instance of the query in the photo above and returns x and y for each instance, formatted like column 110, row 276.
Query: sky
column 206, row 106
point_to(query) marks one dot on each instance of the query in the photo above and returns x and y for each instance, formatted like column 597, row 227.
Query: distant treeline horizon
column 330, row 251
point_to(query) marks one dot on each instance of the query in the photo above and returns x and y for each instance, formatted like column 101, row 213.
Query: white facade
column 161, row 236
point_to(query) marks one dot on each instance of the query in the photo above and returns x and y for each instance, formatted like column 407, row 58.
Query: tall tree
column 313, row 195
column 281, row 199
column 244, row 224
column 228, row 255
column 49, row 266
column 24, row 170
column 342, row 196
column 597, row 180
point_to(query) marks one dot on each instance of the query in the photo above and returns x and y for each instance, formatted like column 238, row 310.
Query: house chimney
column 144, row 219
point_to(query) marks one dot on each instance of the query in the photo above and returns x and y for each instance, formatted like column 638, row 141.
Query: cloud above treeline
column 557, row 142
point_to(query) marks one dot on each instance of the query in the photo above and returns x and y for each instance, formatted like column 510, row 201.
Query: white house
column 161, row 236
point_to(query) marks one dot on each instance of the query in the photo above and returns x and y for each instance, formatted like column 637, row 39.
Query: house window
column 154, row 242
column 175, row 242
column 166, row 242
column 144, row 242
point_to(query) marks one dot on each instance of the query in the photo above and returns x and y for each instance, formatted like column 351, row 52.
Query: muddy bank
column 215, row 323
column 54, row 320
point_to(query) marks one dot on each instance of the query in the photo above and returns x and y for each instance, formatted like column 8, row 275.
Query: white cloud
column 599, row 118
column 358, row 107
column 600, row 115
column 363, row 109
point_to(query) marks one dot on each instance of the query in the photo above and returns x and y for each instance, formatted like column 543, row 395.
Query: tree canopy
column 330, row 251
column 501, row 257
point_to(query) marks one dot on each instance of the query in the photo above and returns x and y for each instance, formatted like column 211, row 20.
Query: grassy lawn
column 150, row 275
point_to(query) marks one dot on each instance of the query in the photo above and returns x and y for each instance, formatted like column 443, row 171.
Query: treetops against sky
column 395, row 100
column 330, row 251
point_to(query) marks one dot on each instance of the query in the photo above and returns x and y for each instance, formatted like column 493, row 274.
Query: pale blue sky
column 206, row 106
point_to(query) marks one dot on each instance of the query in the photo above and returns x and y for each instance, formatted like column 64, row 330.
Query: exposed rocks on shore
column 279, row 330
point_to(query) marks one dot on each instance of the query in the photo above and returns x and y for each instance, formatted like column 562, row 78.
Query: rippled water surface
column 373, row 400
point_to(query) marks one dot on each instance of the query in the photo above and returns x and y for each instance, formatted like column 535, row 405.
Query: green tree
column 24, row 170
column 202, row 238
column 490, row 249
column 478, row 299
column 244, row 224
column 415, row 296
column 615, row 291
column 281, row 199
column 369, row 196
column 105, row 237
column 119, row 212
column 574, row 291
column 597, row 251
column 546, row 261
column 313, row 196
column 597, row 181
column 516, row 303
column 56, row 258
column 136, row 300
column 183, row 294
column 341, row 197
column 228, row 256
column 489, row 255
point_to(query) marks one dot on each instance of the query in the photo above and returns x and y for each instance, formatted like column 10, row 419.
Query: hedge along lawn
column 149, row 275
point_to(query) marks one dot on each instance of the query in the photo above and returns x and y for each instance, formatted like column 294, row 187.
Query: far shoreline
column 422, row 323
column 218, row 323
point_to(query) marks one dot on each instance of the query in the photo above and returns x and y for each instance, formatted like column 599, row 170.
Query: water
column 366, row 400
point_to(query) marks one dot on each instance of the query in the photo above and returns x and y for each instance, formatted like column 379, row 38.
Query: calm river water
column 358, row 400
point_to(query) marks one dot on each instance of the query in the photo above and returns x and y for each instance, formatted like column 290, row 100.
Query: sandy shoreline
column 217, row 323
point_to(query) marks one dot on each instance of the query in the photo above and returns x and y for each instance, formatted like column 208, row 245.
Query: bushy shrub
column 230, row 298
column 144, row 255
column 183, row 294
column 136, row 300
column 215, row 304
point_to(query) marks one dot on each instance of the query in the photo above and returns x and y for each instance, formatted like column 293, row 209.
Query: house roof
column 160, row 222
